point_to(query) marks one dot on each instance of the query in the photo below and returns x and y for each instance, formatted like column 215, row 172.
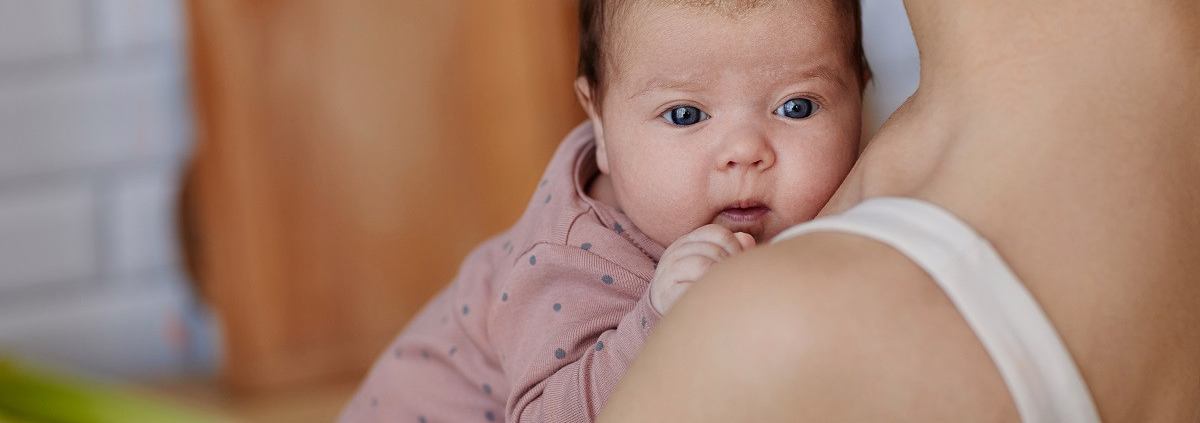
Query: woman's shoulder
column 828, row 326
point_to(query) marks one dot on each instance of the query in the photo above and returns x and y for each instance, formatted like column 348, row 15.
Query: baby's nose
column 751, row 149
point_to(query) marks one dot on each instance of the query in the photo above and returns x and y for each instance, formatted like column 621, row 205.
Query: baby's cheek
column 774, row 228
column 665, row 235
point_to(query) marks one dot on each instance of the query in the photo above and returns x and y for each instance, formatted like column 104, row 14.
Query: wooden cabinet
column 350, row 154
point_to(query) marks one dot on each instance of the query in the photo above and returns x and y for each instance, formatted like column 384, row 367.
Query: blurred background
column 231, row 206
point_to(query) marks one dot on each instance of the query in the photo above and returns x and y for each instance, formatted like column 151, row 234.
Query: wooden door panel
column 350, row 154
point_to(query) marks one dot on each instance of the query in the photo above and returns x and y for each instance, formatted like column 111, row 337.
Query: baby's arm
column 566, row 326
column 570, row 322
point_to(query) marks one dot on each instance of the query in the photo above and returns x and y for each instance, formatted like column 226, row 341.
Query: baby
column 713, row 125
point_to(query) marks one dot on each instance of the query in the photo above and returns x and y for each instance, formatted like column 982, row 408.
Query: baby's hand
column 688, row 258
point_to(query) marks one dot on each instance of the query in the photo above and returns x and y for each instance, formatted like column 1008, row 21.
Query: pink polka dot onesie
column 540, row 323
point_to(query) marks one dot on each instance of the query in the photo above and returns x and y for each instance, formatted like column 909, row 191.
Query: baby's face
column 750, row 122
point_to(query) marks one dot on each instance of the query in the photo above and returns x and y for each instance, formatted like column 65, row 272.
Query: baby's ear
column 583, row 91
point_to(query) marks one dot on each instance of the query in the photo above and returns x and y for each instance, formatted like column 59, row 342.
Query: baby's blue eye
column 797, row 108
column 684, row 116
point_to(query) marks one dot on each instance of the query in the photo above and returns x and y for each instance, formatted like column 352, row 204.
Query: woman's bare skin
column 1067, row 133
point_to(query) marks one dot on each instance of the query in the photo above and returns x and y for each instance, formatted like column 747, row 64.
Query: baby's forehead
column 623, row 14
column 782, row 44
column 732, row 9
column 705, row 23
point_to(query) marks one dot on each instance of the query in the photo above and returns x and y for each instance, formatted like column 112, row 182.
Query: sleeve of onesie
column 566, row 326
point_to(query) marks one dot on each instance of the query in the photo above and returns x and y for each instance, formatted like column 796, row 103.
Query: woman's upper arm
column 826, row 327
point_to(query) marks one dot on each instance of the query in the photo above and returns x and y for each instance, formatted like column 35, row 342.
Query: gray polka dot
column 557, row 306
column 453, row 350
column 397, row 352
column 617, row 227
column 466, row 309
column 504, row 297
column 491, row 417
column 445, row 319
column 374, row 402
column 547, row 198
column 643, row 321
column 559, row 353
column 599, row 345
column 425, row 353
column 607, row 279
column 532, row 260
column 586, row 246
column 421, row 419
column 544, row 181
column 487, row 389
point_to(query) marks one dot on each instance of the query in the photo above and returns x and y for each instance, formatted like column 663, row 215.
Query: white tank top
column 1036, row 367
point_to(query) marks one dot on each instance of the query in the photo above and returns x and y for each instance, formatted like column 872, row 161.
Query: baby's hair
column 595, row 18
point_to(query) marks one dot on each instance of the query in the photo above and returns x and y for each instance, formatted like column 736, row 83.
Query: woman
column 1067, row 135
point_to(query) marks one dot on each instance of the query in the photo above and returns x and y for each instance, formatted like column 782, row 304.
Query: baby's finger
column 746, row 240
column 710, row 250
column 690, row 268
column 716, row 234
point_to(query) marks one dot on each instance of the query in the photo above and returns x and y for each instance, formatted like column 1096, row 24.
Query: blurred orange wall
column 350, row 154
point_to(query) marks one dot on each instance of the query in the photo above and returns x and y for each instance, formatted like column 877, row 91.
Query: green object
column 29, row 395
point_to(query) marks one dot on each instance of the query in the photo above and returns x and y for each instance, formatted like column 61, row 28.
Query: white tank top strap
column 1035, row 364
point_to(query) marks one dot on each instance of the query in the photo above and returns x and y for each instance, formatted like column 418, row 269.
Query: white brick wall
column 122, row 25
column 47, row 235
column 130, row 331
column 88, row 117
column 94, row 127
column 40, row 29
column 139, row 219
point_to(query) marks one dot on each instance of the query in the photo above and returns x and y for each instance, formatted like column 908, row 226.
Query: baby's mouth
column 750, row 216
column 744, row 213
column 743, row 216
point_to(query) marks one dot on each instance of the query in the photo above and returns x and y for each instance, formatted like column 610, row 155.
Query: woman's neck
column 1019, row 117
column 1041, row 132
column 1024, row 53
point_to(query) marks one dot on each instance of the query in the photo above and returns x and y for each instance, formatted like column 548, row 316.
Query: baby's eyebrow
column 821, row 72
column 669, row 83
column 677, row 83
